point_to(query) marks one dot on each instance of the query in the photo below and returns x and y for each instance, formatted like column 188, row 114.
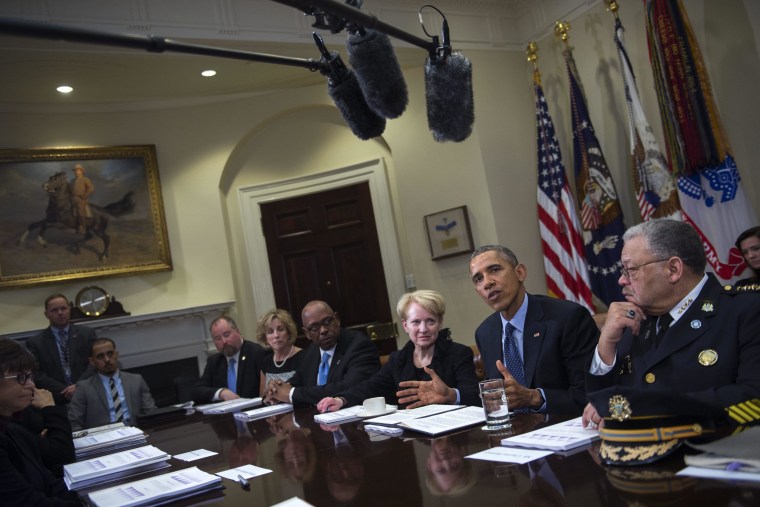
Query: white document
column 95, row 470
column 413, row 413
column 195, row 455
column 293, row 502
column 557, row 437
column 339, row 416
column 262, row 412
column 106, row 437
column 225, row 407
column 245, row 471
column 509, row 455
column 714, row 473
column 156, row 490
column 446, row 421
column 98, row 429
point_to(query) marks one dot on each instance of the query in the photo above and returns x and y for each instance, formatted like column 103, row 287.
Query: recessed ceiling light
column 208, row 73
column 65, row 89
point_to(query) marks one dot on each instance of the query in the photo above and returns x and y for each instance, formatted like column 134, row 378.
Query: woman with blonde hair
column 277, row 331
column 430, row 368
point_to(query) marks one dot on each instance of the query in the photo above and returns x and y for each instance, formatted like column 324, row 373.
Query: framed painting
column 449, row 233
column 79, row 213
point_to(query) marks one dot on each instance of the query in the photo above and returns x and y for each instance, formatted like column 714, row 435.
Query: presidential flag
column 559, row 227
column 709, row 184
column 655, row 187
column 601, row 215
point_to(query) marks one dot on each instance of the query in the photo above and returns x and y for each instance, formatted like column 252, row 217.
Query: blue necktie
column 324, row 367
column 512, row 359
column 231, row 377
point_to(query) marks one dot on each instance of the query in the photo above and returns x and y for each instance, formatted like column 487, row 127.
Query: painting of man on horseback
column 68, row 209
column 55, row 224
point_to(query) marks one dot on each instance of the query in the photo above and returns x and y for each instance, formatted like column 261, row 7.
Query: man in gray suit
column 110, row 396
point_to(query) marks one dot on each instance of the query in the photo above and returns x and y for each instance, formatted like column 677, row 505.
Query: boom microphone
column 345, row 91
column 448, row 92
column 377, row 70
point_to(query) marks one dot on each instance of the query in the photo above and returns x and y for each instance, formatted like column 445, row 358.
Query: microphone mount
column 443, row 50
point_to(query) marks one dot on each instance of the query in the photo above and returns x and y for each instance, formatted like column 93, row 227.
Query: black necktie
column 664, row 323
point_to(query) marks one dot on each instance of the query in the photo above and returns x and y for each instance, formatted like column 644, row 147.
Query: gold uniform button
column 650, row 378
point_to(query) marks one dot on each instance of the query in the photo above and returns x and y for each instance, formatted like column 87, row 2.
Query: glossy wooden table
column 326, row 467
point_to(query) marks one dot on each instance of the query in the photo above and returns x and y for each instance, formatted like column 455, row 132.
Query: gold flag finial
column 532, row 52
column 560, row 30
column 612, row 6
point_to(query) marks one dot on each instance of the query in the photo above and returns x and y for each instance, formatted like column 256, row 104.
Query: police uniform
column 711, row 352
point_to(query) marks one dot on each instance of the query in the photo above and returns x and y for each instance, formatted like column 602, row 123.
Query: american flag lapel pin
column 536, row 334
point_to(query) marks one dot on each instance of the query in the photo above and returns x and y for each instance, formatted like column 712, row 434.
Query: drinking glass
column 494, row 396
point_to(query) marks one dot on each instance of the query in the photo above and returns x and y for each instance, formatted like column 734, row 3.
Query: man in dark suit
column 233, row 372
column 544, row 342
column 678, row 328
column 336, row 359
column 110, row 396
column 61, row 350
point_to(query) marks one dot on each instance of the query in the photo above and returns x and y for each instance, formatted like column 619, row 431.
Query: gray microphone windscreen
column 448, row 94
column 348, row 97
column 377, row 70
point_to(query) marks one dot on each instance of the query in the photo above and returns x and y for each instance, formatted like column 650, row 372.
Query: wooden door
column 324, row 246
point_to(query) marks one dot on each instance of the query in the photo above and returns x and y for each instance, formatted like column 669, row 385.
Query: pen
column 243, row 482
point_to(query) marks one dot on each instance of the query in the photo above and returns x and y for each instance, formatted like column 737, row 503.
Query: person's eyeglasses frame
column 326, row 322
column 21, row 377
column 626, row 272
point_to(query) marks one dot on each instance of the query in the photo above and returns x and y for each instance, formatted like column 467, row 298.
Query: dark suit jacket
column 215, row 374
column 49, row 373
column 57, row 446
column 724, row 321
column 355, row 359
column 452, row 362
column 89, row 406
column 559, row 337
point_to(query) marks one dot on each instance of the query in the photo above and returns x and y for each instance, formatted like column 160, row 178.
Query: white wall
column 206, row 152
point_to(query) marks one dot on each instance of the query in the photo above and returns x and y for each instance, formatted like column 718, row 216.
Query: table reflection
column 448, row 473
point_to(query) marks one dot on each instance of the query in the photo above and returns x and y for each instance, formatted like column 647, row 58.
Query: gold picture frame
column 43, row 235
column 449, row 233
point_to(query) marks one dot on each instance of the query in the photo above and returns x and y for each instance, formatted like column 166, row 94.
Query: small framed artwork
column 449, row 233
column 69, row 214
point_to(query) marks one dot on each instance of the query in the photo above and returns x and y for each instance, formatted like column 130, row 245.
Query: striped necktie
column 117, row 408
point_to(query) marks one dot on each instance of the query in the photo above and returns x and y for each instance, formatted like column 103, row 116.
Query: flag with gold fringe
column 655, row 187
column 709, row 184
column 601, row 215
column 559, row 227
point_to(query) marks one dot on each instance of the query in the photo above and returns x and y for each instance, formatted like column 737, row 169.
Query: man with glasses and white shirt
column 336, row 359
column 679, row 328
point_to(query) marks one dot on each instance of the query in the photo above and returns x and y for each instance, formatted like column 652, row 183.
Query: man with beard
column 233, row 372
column 336, row 359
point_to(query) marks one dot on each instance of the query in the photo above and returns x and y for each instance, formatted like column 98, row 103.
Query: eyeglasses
column 326, row 322
column 626, row 272
column 21, row 377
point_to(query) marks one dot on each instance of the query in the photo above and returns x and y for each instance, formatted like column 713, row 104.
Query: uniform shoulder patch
column 734, row 289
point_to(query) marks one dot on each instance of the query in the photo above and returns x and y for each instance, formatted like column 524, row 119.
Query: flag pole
column 532, row 52
column 613, row 7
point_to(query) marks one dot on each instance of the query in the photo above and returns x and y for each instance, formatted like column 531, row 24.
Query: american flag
column 561, row 240
column 602, row 217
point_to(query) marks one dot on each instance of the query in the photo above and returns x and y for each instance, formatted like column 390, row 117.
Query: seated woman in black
column 441, row 367
column 748, row 244
column 276, row 330
column 24, row 479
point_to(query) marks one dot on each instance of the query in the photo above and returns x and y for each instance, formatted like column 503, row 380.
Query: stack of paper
column 113, row 466
column 736, row 457
column 446, row 421
column 157, row 490
column 557, row 437
column 340, row 416
column 110, row 440
column 260, row 413
column 224, row 407
column 97, row 429
column 412, row 413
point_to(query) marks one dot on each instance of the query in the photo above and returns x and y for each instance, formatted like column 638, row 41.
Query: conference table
column 346, row 465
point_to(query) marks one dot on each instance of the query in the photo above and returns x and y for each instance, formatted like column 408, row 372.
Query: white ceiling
column 107, row 77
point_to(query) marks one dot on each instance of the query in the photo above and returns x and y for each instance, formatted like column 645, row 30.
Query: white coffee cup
column 374, row 406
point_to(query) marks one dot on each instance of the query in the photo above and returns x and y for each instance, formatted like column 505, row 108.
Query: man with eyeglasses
column 679, row 328
column 61, row 350
column 336, row 359
column 112, row 395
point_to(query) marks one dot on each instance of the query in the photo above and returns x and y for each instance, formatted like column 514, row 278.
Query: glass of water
column 494, row 396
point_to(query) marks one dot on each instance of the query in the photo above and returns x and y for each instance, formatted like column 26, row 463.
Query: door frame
column 372, row 171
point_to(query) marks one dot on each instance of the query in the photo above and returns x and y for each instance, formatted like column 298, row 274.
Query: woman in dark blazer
column 430, row 359
column 24, row 479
